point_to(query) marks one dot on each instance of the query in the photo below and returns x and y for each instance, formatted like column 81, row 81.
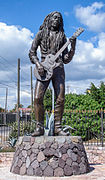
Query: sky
column 20, row 21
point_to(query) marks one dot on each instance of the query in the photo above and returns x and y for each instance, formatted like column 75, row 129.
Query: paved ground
column 97, row 173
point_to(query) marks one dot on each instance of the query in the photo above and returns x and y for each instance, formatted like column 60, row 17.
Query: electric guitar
column 50, row 61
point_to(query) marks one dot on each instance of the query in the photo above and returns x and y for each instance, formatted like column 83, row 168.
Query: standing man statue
column 51, row 38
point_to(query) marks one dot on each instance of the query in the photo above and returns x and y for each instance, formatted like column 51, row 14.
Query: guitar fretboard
column 75, row 35
column 61, row 50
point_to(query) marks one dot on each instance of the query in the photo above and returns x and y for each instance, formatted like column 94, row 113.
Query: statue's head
column 53, row 20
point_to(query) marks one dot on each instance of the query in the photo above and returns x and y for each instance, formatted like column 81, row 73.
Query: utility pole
column 18, row 98
column 18, row 85
column 68, row 89
column 5, row 106
column 31, row 95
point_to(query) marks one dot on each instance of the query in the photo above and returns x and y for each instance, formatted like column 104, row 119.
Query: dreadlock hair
column 45, row 28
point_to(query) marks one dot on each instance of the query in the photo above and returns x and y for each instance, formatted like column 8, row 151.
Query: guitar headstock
column 77, row 33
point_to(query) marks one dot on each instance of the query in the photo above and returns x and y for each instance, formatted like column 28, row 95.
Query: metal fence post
column 18, row 122
column 18, row 98
column 102, row 128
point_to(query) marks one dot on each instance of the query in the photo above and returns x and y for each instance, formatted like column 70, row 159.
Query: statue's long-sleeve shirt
column 50, row 46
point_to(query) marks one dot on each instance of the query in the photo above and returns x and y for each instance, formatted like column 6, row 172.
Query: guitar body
column 49, row 64
column 50, row 61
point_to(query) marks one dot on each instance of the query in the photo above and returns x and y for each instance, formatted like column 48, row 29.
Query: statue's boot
column 39, row 131
column 39, row 116
column 58, row 113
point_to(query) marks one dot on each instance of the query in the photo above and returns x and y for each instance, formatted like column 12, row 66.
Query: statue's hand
column 73, row 43
column 40, row 68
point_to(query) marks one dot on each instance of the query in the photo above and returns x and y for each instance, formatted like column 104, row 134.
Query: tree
column 98, row 94
column 1, row 109
column 48, row 99
column 94, row 92
column 86, row 116
column 20, row 106
column 29, row 106
column 102, row 95
column 80, row 102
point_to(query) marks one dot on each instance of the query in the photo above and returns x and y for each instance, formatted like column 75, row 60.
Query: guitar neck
column 75, row 35
column 61, row 50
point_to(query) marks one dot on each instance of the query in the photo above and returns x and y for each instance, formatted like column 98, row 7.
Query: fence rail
column 88, row 124
column 9, row 127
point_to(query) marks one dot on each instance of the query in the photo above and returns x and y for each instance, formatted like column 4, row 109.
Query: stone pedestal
column 50, row 156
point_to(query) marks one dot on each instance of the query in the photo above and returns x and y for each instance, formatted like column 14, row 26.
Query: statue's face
column 55, row 20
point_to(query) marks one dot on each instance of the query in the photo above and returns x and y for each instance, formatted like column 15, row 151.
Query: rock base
column 50, row 156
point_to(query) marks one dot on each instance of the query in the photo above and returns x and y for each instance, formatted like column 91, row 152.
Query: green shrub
column 86, row 123
column 26, row 128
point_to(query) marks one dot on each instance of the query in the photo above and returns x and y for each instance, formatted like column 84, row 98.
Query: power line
column 12, row 66
column 4, row 65
column 7, row 61
column 3, row 68
column 22, row 85
column 10, row 99
column 10, row 82
column 7, row 85
column 24, row 71
column 2, row 87
column 15, row 88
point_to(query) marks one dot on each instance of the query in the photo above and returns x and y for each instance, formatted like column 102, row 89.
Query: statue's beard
column 54, row 26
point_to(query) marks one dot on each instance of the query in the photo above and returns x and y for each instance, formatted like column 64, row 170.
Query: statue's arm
column 33, row 51
column 68, row 55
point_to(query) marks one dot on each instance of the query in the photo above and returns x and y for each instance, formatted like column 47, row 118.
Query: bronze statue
column 51, row 39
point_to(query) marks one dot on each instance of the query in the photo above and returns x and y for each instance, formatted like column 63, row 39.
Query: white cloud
column 87, row 52
column 88, row 64
column 66, row 13
column 7, row 75
column 88, row 61
column 80, row 86
column 92, row 16
column 14, row 43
